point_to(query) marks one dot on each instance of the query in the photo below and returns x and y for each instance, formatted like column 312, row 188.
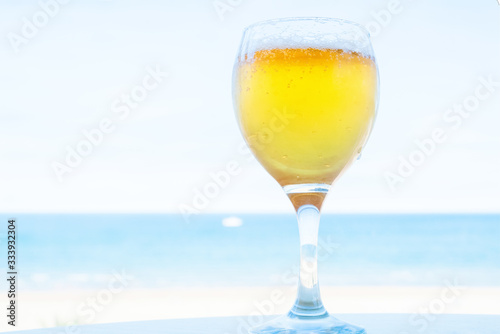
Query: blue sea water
column 58, row 251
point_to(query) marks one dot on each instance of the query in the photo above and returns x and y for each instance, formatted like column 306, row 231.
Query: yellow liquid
column 306, row 113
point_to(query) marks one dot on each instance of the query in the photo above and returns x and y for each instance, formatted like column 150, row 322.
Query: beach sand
column 39, row 309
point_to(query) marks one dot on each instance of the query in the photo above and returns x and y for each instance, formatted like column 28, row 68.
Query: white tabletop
column 373, row 323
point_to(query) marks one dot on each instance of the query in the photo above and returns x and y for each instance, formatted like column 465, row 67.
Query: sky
column 69, row 68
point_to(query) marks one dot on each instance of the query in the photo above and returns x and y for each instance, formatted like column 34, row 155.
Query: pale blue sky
column 67, row 77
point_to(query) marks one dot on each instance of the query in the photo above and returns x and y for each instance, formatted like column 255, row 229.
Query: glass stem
column 308, row 303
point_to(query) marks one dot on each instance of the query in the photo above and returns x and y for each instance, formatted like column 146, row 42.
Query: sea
column 80, row 251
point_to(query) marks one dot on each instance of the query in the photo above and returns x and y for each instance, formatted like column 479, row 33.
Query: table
column 373, row 323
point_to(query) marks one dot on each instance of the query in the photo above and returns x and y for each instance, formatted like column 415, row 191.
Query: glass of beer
column 305, row 94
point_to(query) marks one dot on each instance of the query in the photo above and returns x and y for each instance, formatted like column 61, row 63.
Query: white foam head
column 307, row 32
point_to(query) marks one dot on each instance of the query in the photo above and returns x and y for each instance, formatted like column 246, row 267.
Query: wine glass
column 305, row 94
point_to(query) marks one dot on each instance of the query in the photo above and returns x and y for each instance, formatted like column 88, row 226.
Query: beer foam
column 317, row 33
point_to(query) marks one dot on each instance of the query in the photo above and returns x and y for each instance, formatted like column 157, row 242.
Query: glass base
column 325, row 324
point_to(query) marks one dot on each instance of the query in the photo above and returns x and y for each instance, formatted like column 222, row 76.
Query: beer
column 305, row 112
